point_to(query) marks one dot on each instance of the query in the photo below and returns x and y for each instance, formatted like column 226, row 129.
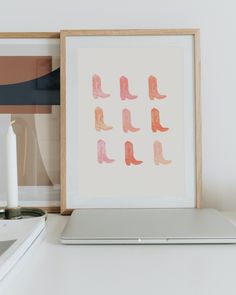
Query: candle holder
column 21, row 213
column 13, row 213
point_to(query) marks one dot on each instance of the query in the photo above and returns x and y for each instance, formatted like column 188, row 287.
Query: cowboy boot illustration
column 158, row 154
column 99, row 120
column 97, row 88
column 155, row 118
column 127, row 125
column 101, row 153
column 153, row 88
column 129, row 154
column 124, row 89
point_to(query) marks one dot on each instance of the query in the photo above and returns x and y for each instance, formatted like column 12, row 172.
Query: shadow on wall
column 219, row 195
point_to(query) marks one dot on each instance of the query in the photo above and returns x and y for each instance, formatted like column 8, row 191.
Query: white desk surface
column 51, row 268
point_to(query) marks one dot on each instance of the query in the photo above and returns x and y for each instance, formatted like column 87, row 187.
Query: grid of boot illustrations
column 127, row 126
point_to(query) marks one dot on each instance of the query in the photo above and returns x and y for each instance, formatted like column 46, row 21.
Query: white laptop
column 148, row 226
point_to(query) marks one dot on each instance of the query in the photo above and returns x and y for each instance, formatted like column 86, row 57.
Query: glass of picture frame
column 130, row 119
column 30, row 95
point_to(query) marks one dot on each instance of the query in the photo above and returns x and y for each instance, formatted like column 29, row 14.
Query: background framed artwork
column 30, row 95
column 130, row 119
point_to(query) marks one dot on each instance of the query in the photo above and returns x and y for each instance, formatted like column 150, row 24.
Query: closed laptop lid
column 147, row 226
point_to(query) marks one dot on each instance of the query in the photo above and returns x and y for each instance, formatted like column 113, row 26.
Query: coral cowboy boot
column 127, row 125
column 97, row 88
column 153, row 89
column 158, row 154
column 155, row 118
column 101, row 153
column 129, row 154
column 124, row 89
column 99, row 120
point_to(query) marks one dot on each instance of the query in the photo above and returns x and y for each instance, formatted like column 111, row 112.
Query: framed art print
column 130, row 119
column 30, row 96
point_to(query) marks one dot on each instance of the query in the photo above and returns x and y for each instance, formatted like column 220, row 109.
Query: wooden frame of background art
column 39, row 68
column 196, row 93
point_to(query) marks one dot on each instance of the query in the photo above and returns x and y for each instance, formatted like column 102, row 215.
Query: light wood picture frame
column 137, row 142
column 30, row 95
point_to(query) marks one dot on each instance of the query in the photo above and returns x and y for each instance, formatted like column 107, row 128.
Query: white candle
column 12, row 181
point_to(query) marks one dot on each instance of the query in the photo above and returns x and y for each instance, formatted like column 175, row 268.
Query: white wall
column 217, row 22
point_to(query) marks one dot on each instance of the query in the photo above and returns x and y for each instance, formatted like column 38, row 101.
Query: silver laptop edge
column 148, row 226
